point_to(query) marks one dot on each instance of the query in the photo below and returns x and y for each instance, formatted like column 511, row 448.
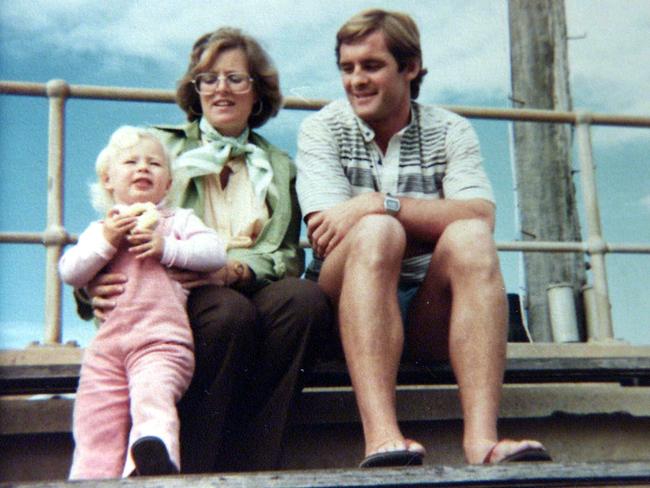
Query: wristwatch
column 391, row 205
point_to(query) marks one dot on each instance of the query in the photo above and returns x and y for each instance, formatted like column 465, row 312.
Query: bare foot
column 508, row 450
column 400, row 445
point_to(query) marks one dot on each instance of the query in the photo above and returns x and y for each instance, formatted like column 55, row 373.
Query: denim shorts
column 405, row 294
column 405, row 291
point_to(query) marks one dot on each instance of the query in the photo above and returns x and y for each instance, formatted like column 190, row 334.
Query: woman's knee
column 292, row 302
column 217, row 313
column 304, row 295
column 296, row 316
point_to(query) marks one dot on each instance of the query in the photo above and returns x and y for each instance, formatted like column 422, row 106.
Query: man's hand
column 117, row 226
column 146, row 245
column 103, row 290
column 327, row 229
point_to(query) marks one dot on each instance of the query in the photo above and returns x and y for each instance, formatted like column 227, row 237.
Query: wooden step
column 507, row 475
column 630, row 371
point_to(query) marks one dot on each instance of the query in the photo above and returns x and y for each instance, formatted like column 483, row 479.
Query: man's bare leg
column 465, row 270
column 361, row 275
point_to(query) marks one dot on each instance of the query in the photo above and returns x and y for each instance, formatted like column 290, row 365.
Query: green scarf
column 211, row 157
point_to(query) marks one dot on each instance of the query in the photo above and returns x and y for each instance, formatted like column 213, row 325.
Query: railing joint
column 57, row 89
column 583, row 117
column 596, row 245
column 55, row 235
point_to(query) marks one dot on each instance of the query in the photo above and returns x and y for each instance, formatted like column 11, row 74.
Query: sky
column 146, row 43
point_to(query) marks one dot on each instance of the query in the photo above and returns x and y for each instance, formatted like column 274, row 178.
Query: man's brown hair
column 400, row 32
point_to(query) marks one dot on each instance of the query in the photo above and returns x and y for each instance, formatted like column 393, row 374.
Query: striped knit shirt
column 436, row 155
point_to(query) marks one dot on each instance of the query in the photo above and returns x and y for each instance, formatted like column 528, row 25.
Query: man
column 398, row 205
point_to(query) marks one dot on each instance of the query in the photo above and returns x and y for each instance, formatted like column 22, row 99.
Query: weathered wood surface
column 53, row 378
column 516, row 474
column 63, row 378
column 546, row 195
column 633, row 371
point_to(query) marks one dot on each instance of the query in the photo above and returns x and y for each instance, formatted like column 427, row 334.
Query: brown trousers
column 252, row 351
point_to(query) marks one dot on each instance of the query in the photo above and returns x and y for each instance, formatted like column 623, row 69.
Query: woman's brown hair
column 204, row 53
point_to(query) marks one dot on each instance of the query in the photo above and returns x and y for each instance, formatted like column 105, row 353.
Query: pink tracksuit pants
column 133, row 373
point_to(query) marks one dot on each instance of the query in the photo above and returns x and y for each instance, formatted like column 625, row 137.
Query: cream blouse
column 234, row 211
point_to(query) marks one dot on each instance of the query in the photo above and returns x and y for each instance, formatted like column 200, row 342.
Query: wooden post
column 544, row 179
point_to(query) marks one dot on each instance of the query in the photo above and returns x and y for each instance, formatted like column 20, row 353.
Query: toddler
column 141, row 360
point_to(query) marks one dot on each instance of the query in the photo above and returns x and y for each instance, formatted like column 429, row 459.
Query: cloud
column 645, row 203
column 608, row 58
column 610, row 64
column 465, row 44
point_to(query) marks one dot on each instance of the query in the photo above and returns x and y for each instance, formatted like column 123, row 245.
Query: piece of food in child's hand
column 146, row 212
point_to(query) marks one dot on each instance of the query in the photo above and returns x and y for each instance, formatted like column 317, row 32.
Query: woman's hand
column 234, row 272
column 189, row 279
column 146, row 245
column 103, row 290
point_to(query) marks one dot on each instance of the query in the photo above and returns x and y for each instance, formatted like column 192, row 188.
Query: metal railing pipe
column 595, row 241
column 300, row 103
column 55, row 237
column 625, row 248
column 541, row 246
column 57, row 91
column 21, row 237
column 503, row 246
column 550, row 116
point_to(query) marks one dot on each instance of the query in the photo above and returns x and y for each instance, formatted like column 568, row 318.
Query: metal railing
column 55, row 236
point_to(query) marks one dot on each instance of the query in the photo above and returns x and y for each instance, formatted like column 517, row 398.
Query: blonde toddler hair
column 124, row 137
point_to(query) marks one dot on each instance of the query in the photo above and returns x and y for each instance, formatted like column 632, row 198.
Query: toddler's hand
column 147, row 245
column 117, row 226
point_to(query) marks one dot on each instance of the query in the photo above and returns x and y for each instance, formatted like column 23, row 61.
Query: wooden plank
column 44, row 415
column 635, row 371
column 68, row 354
column 330, row 406
column 515, row 474
column 53, row 378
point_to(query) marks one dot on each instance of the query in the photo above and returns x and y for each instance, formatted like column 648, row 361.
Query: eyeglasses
column 207, row 83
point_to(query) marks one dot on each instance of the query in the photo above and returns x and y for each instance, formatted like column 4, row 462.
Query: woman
column 253, row 321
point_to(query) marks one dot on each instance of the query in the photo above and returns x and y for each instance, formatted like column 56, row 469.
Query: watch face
column 391, row 205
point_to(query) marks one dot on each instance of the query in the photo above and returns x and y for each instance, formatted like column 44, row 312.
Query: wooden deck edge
column 634, row 371
column 71, row 354
column 43, row 414
column 510, row 475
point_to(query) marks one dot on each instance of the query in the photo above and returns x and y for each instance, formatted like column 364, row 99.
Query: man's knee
column 377, row 240
column 468, row 245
